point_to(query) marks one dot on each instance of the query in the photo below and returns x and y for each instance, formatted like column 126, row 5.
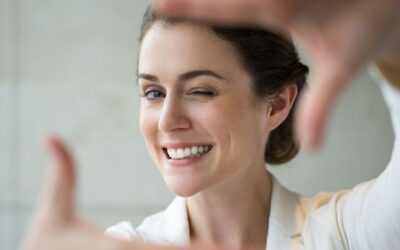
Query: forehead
column 172, row 49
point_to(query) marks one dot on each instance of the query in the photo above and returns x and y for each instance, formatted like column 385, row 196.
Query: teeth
column 194, row 151
column 172, row 153
column 180, row 153
column 188, row 152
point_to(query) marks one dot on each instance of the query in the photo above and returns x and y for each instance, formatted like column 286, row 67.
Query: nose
column 173, row 116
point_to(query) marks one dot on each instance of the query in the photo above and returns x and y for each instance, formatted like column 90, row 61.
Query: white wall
column 69, row 67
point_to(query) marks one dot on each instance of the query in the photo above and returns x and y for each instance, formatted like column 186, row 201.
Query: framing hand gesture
column 56, row 224
column 340, row 35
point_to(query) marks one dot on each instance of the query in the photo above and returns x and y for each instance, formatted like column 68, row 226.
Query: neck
column 235, row 213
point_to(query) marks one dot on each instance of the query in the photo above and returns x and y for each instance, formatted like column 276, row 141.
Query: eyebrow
column 185, row 76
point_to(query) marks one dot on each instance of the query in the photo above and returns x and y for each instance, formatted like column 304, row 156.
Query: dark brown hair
column 273, row 63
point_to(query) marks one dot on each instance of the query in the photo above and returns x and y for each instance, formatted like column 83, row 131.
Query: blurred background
column 69, row 67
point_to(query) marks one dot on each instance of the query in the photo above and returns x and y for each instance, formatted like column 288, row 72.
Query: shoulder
column 167, row 226
column 324, row 221
column 312, row 222
column 328, row 206
column 391, row 94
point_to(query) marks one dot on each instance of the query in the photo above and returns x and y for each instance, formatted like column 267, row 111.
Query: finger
column 222, row 12
column 171, row 7
column 60, row 196
column 147, row 246
column 187, row 7
column 265, row 13
column 316, row 104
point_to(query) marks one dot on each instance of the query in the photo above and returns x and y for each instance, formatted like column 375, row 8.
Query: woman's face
column 201, row 121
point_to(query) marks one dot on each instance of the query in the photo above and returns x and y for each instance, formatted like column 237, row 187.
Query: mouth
column 186, row 152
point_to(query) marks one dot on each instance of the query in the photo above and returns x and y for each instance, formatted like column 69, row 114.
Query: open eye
column 153, row 94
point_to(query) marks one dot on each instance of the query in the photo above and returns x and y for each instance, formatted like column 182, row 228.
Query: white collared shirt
column 365, row 217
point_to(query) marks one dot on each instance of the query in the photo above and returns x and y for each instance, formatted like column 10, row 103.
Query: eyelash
column 146, row 94
column 205, row 93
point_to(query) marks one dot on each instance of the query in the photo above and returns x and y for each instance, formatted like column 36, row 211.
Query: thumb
column 60, row 192
column 317, row 102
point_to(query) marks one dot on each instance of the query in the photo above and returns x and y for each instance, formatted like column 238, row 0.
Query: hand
column 340, row 35
column 389, row 65
column 56, row 224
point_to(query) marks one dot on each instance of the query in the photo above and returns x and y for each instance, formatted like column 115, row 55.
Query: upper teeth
column 180, row 153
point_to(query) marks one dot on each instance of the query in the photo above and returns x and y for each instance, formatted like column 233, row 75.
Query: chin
column 183, row 187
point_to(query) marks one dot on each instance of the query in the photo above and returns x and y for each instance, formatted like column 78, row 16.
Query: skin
column 234, row 169
column 56, row 223
column 389, row 65
column 324, row 29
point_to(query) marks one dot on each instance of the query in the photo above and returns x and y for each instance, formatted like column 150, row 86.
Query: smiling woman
column 190, row 92
column 215, row 107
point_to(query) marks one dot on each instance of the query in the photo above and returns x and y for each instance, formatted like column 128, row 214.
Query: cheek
column 148, row 124
column 238, row 125
column 149, row 128
column 224, row 120
column 212, row 117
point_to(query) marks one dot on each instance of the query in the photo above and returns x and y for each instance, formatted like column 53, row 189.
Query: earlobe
column 280, row 106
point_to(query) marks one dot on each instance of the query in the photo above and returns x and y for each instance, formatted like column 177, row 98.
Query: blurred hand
column 56, row 224
column 340, row 35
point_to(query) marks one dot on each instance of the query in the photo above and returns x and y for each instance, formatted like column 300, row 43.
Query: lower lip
column 186, row 162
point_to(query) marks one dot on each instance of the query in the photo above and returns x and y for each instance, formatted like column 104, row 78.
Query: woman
column 217, row 105
column 364, row 218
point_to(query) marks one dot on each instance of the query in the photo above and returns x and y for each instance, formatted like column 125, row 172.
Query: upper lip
column 182, row 145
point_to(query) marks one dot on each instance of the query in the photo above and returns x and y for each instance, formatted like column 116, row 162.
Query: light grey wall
column 69, row 67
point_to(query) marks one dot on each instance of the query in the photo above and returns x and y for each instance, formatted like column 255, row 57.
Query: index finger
column 316, row 103
column 234, row 12
column 60, row 189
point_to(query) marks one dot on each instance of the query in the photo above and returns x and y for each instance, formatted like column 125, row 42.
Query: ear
column 280, row 107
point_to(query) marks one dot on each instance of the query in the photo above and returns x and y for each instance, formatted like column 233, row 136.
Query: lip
column 182, row 145
column 187, row 162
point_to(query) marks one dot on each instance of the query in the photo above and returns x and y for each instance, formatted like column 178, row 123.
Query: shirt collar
column 286, row 219
column 174, row 226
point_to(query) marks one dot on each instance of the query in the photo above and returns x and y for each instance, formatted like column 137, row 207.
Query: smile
column 187, row 152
